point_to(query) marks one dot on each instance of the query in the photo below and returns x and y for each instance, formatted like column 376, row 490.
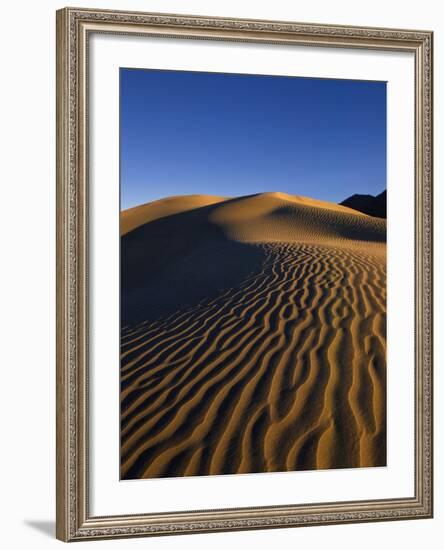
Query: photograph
column 244, row 265
column 253, row 292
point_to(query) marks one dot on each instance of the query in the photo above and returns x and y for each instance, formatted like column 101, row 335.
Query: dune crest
column 253, row 337
column 285, row 218
column 132, row 218
column 309, row 201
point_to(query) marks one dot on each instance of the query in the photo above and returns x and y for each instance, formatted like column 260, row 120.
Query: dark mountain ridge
column 368, row 204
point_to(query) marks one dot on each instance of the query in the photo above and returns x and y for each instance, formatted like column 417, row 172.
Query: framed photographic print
column 244, row 274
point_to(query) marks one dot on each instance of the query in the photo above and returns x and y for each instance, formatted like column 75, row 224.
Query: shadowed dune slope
column 139, row 215
column 253, row 337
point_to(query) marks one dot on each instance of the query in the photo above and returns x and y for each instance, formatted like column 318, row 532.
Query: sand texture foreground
column 253, row 336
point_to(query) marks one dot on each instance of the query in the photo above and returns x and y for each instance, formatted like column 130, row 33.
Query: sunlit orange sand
column 253, row 336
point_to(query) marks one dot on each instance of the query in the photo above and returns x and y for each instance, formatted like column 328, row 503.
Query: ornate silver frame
column 74, row 521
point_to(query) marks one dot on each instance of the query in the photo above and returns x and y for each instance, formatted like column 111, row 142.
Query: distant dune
column 253, row 336
column 368, row 204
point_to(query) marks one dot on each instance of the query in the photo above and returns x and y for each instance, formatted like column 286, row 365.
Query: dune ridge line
column 253, row 336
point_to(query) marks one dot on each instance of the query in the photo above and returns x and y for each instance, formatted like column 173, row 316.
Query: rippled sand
column 253, row 337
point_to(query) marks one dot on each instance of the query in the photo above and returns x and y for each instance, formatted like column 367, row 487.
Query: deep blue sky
column 184, row 133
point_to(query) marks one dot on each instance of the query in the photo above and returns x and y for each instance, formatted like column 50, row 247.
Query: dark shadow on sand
column 177, row 261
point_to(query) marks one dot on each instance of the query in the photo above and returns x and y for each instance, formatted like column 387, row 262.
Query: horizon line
column 226, row 197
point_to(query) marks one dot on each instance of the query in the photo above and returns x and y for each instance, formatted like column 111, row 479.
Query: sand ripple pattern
column 285, row 371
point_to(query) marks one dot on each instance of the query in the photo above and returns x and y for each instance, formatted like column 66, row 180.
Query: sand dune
column 368, row 204
column 253, row 337
column 135, row 217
